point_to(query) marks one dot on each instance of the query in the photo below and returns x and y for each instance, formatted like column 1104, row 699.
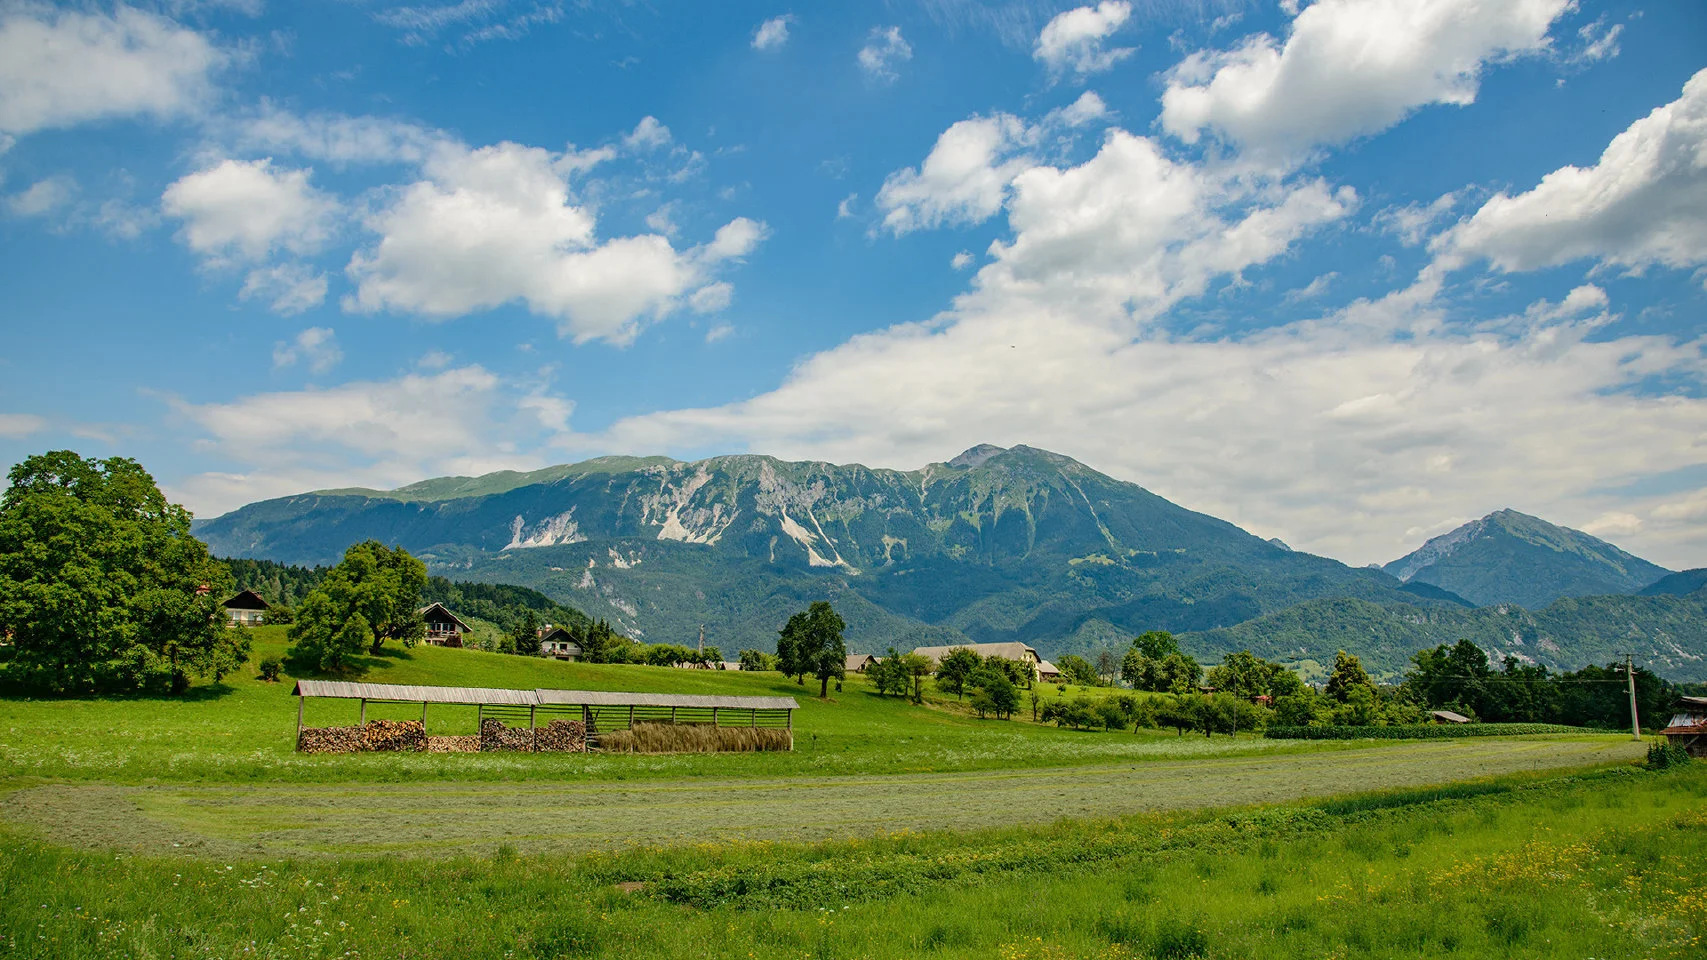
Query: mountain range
column 994, row 544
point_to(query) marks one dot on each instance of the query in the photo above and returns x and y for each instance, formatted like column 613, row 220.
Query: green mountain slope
column 1677, row 584
column 1510, row 557
column 1017, row 544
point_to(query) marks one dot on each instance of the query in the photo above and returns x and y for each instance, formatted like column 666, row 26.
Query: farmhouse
column 247, row 609
column 1688, row 727
column 444, row 629
column 559, row 643
column 859, row 662
column 1048, row 672
column 1007, row 651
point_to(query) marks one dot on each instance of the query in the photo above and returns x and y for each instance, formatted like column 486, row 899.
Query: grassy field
column 248, row 821
column 243, row 730
column 1602, row 865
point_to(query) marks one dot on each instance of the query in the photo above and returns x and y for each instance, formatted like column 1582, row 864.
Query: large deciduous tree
column 102, row 585
column 956, row 669
column 811, row 644
column 371, row 596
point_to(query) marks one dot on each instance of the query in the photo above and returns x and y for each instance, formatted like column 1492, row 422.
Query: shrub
column 1663, row 754
column 271, row 668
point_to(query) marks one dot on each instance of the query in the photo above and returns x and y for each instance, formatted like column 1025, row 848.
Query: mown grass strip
column 1418, row 731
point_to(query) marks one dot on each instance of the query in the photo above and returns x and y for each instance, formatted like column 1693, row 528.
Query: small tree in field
column 811, row 644
column 956, row 669
column 374, row 589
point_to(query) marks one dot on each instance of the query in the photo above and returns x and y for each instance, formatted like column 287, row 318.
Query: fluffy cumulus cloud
column 335, row 137
column 63, row 67
column 1349, row 68
column 499, row 224
column 964, row 180
column 463, row 420
column 249, row 209
column 1073, row 41
column 884, row 52
column 288, row 288
column 772, row 34
column 316, row 346
column 1643, row 204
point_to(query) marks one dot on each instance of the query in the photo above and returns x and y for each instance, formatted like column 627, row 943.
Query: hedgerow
column 1416, row 731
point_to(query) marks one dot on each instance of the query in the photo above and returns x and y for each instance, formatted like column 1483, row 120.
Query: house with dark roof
column 559, row 643
column 247, row 609
column 444, row 629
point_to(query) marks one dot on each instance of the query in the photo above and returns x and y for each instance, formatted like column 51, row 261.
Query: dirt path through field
column 445, row 818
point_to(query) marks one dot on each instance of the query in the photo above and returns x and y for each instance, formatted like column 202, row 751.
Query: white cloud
column 43, row 197
column 964, row 180
column 291, row 288
column 648, row 134
column 61, row 68
column 490, row 226
column 1348, row 68
column 773, row 33
column 884, row 51
column 961, row 260
column 1600, row 42
column 1089, row 108
column 844, row 209
column 1643, row 204
column 250, row 209
column 1412, row 222
column 712, row 298
column 17, row 426
column 316, row 346
column 462, row 420
column 1074, row 40
column 1311, row 290
column 434, row 360
column 337, row 138
column 721, row 331
column 660, row 220
column 552, row 412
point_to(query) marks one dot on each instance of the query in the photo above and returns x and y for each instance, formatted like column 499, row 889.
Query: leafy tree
column 1173, row 673
column 888, row 675
column 1078, row 670
column 1078, row 713
column 1111, row 715
column 917, row 667
column 1019, row 672
column 1179, row 712
column 757, row 660
column 1359, row 707
column 101, row 581
column 270, row 669
column 375, row 587
column 1347, row 676
column 524, row 636
column 1305, row 708
column 991, row 683
column 1108, row 666
column 811, row 644
column 956, row 669
column 1242, row 674
column 1155, row 645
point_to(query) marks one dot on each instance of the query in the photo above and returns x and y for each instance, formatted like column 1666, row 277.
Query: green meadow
column 151, row 827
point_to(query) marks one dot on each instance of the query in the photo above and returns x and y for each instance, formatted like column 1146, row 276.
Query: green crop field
column 189, row 827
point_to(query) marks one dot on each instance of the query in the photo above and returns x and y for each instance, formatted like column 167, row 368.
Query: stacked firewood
column 495, row 736
column 388, row 735
column 453, row 744
column 562, row 735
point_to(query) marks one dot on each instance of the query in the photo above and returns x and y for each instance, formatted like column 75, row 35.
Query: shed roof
column 1449, row 716
column 408, row 693
column 604, row 698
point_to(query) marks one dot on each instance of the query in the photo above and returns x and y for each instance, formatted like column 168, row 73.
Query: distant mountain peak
column 1513, row 557
column 977, row 456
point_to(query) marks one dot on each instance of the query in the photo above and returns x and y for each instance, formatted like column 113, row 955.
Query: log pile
column 387, row 735
column 495, row 736
column 453, row 744
column 568, row 736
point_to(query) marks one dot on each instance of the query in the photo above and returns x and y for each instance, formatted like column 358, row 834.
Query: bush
column 271, row 668
column 1663, row 754
column 1419, row 731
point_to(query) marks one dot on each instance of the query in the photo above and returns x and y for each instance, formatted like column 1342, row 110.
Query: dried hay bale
column 695, row 738
column 469, row 744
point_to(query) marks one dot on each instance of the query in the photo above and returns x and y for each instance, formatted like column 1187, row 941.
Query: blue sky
column 1348, row 273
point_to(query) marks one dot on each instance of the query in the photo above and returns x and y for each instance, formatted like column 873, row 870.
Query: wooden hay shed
column 1688, row 726
column 600, row 710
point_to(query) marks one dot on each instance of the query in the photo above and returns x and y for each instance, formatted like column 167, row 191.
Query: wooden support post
column 755, row 713
column 714, row 716
column 423, row 716
column 480, row 718
column 364, row 712
column 533, row 734
column 672, row 715
column 300, row 701
column 631, row 716
column 791, row 719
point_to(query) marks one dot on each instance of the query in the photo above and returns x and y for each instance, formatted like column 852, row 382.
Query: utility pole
column 702, row 650
column 1635, row 725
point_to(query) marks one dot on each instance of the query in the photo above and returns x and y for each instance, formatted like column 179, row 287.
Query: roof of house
column 441, row 608
column 1449, row 716
column 1045, row 668
column 247, row 600
column 854, row 661
column 1693, row 704
column 1011, row 650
